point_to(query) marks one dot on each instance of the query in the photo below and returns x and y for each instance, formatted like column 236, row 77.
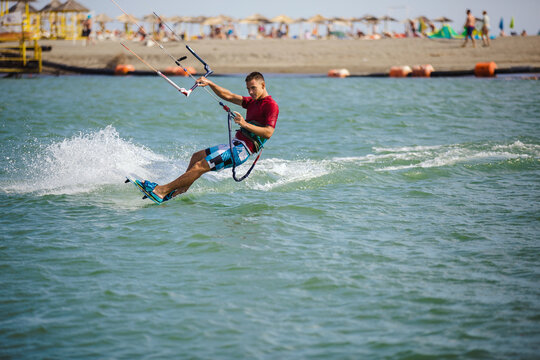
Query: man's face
column 255, row 88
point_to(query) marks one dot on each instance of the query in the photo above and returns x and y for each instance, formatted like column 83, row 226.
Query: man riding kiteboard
column 258, row 126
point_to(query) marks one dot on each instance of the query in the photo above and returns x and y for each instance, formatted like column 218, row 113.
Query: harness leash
column 230, row 119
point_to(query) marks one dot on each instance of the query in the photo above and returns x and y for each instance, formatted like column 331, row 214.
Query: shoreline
column 51, row 68
column 287, row 56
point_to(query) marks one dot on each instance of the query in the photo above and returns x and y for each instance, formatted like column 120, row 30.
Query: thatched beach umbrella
column 218, row 20
column 50, row 7
column 49, row 12
column 20, row 6
column 228, row 19
column 371, row 20
column 28, row 12
column 177, row 19
column 282, row 19
column 72, row 6
column 196, row 20
column 255, row 19
column 317, row 19
column 102, row 19
column 339, row 21
column 152, row 19
column 386, row 19
column 340, row 26
column 127, row 20
column 213, row 20
column 300, row 21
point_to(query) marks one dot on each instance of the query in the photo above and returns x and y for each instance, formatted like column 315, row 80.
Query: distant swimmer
column 470, row 23
column 258, row 126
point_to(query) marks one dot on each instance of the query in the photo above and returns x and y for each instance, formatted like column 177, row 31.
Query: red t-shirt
column 263, row 112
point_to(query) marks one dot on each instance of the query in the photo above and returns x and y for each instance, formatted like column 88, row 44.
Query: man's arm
column 220, row 91
column 263, row 131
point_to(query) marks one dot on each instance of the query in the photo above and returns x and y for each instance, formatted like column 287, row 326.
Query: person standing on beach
column 258, row 126
column 485, row 29
column 87, row 30
column 469, row 27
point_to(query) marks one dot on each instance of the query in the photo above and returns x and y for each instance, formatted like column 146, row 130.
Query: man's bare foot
column 160, row 191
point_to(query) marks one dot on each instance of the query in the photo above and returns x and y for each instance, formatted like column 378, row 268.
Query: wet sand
column 303, row 56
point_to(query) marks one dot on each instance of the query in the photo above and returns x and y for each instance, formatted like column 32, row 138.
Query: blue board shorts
column 219, row 156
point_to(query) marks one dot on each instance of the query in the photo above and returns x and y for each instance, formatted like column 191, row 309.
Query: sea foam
column 81, row 164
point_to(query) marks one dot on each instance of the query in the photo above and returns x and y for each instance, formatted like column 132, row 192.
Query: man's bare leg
column 197, row 167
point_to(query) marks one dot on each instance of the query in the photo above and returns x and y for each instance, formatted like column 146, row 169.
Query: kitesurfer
column 257, row 127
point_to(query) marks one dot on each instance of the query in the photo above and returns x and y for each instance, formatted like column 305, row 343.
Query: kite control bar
column 206, row 68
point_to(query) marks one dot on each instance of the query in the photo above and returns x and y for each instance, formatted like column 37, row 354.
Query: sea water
column 386, row 219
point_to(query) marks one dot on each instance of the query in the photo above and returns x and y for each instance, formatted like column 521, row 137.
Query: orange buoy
column 123, row 69
column 339, row 73
column 191, row 70
column 400, row 71
column 175, row 70
column 179, row 71
column 422, row 70
column 486, row 69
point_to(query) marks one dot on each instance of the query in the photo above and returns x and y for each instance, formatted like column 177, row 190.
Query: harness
column 258, row 141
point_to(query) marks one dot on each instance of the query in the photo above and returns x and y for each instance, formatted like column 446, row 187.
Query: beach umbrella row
column 261, row 19
column 74, row 6
column 257, row 19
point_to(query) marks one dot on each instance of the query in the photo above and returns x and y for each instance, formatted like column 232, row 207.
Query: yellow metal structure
column 15, row 46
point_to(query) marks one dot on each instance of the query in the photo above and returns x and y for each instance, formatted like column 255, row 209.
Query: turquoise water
column 386, row 219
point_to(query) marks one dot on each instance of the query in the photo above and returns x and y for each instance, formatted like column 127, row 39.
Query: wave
column 409, row 157
column 81, row 164
column 88, row 161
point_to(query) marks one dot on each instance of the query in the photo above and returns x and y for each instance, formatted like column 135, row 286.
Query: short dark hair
column 468, row 11
column 255, row 76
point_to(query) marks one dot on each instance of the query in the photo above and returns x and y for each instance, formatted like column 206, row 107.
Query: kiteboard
column 137, row 184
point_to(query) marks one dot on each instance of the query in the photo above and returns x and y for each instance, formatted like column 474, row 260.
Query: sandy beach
column 303, row 56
